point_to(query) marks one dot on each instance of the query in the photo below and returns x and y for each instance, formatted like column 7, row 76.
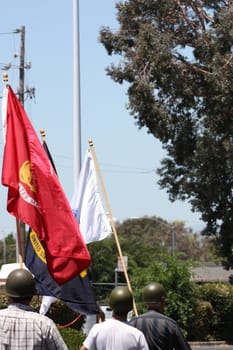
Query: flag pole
column 76, row 93
column 20, row 248
column 18, row 230
column 111, row 221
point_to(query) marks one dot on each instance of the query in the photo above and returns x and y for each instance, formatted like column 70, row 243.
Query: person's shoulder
column 25, row 313
column 135, row 332
column 45, row 320
column 150, row 314
column 169, row 319
column 102, row 327
column 104, row 324
column 3, row 309
column 133, row 320
column 136, row 318
column 132, row 327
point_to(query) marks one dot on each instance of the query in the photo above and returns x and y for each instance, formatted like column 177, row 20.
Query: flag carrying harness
column 70, row 323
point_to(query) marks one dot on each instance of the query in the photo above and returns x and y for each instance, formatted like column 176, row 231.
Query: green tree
column 104, row 257
column 8, row 249
column 143, row 240
column 176, row 58
column 175, row 275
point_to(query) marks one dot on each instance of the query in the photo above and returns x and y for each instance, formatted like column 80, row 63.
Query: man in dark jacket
column 161, row 332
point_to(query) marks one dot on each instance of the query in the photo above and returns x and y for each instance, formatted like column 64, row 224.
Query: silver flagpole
column 76, row 93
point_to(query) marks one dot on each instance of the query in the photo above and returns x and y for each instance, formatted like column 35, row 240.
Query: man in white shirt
column 116, row 333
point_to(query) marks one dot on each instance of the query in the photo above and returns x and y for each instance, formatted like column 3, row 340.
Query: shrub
column 201, row 325
column 60, row 313
column 175, row 275
column 73, row 338
column 220, row 296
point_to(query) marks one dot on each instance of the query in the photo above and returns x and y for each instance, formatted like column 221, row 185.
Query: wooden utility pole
column 21, row 64
column 21, row 225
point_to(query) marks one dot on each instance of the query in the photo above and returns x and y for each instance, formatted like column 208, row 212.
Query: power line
column 145, row 172
column 123, row 167
column 116, row 169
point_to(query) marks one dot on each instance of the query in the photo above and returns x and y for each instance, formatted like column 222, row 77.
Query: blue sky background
column 127, row 156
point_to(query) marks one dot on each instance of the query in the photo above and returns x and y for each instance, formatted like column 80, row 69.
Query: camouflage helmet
column 154, row 293
column 121, row 300
column 20, row 284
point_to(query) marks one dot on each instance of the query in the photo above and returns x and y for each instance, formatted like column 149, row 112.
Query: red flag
column 35, row 195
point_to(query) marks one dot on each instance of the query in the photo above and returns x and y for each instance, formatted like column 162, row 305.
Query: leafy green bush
column 60, row 313
column 220, row 296
column 203, row 321
column 73, row 338
column 204, row 312
column 3, row 300
column 175, row 275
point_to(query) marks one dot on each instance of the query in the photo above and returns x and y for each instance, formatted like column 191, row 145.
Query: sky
column 127, row 156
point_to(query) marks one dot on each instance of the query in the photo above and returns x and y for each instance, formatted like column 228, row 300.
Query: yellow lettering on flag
column 40, row 252
column 37, row 246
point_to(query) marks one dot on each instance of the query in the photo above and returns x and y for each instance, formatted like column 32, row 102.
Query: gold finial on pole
column 43, row 135
column 90, row 143
column 5, row 77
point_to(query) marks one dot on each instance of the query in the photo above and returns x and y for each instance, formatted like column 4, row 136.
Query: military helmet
column 20, row 284
column 121, row 300
column 154, row 293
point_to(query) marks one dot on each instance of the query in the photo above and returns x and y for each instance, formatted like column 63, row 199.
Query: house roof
column 211, row 274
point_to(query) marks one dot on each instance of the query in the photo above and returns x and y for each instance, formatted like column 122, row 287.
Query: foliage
column 204, row 312
column 3, row 299
column 153, row 235
column 72, row 338
column 61, row 314
column 147, row 242
column 102, row 252
column 202, row 322
column 143, row 240
column 8, row 249
column 104, row 261
column 220, row 297
column 176, row 59
column 175, row 275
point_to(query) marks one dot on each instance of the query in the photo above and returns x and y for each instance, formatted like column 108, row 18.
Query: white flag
column 46, row 303
column 87, row 206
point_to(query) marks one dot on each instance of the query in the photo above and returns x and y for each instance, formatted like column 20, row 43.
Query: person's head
column 20, row 285
column 154, row 296
column 121, row 301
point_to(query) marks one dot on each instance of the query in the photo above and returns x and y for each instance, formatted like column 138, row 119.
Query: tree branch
column 190, row 23
column 228, row 62
column 198, row 10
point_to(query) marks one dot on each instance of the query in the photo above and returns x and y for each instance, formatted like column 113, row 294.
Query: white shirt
column 113, row 334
